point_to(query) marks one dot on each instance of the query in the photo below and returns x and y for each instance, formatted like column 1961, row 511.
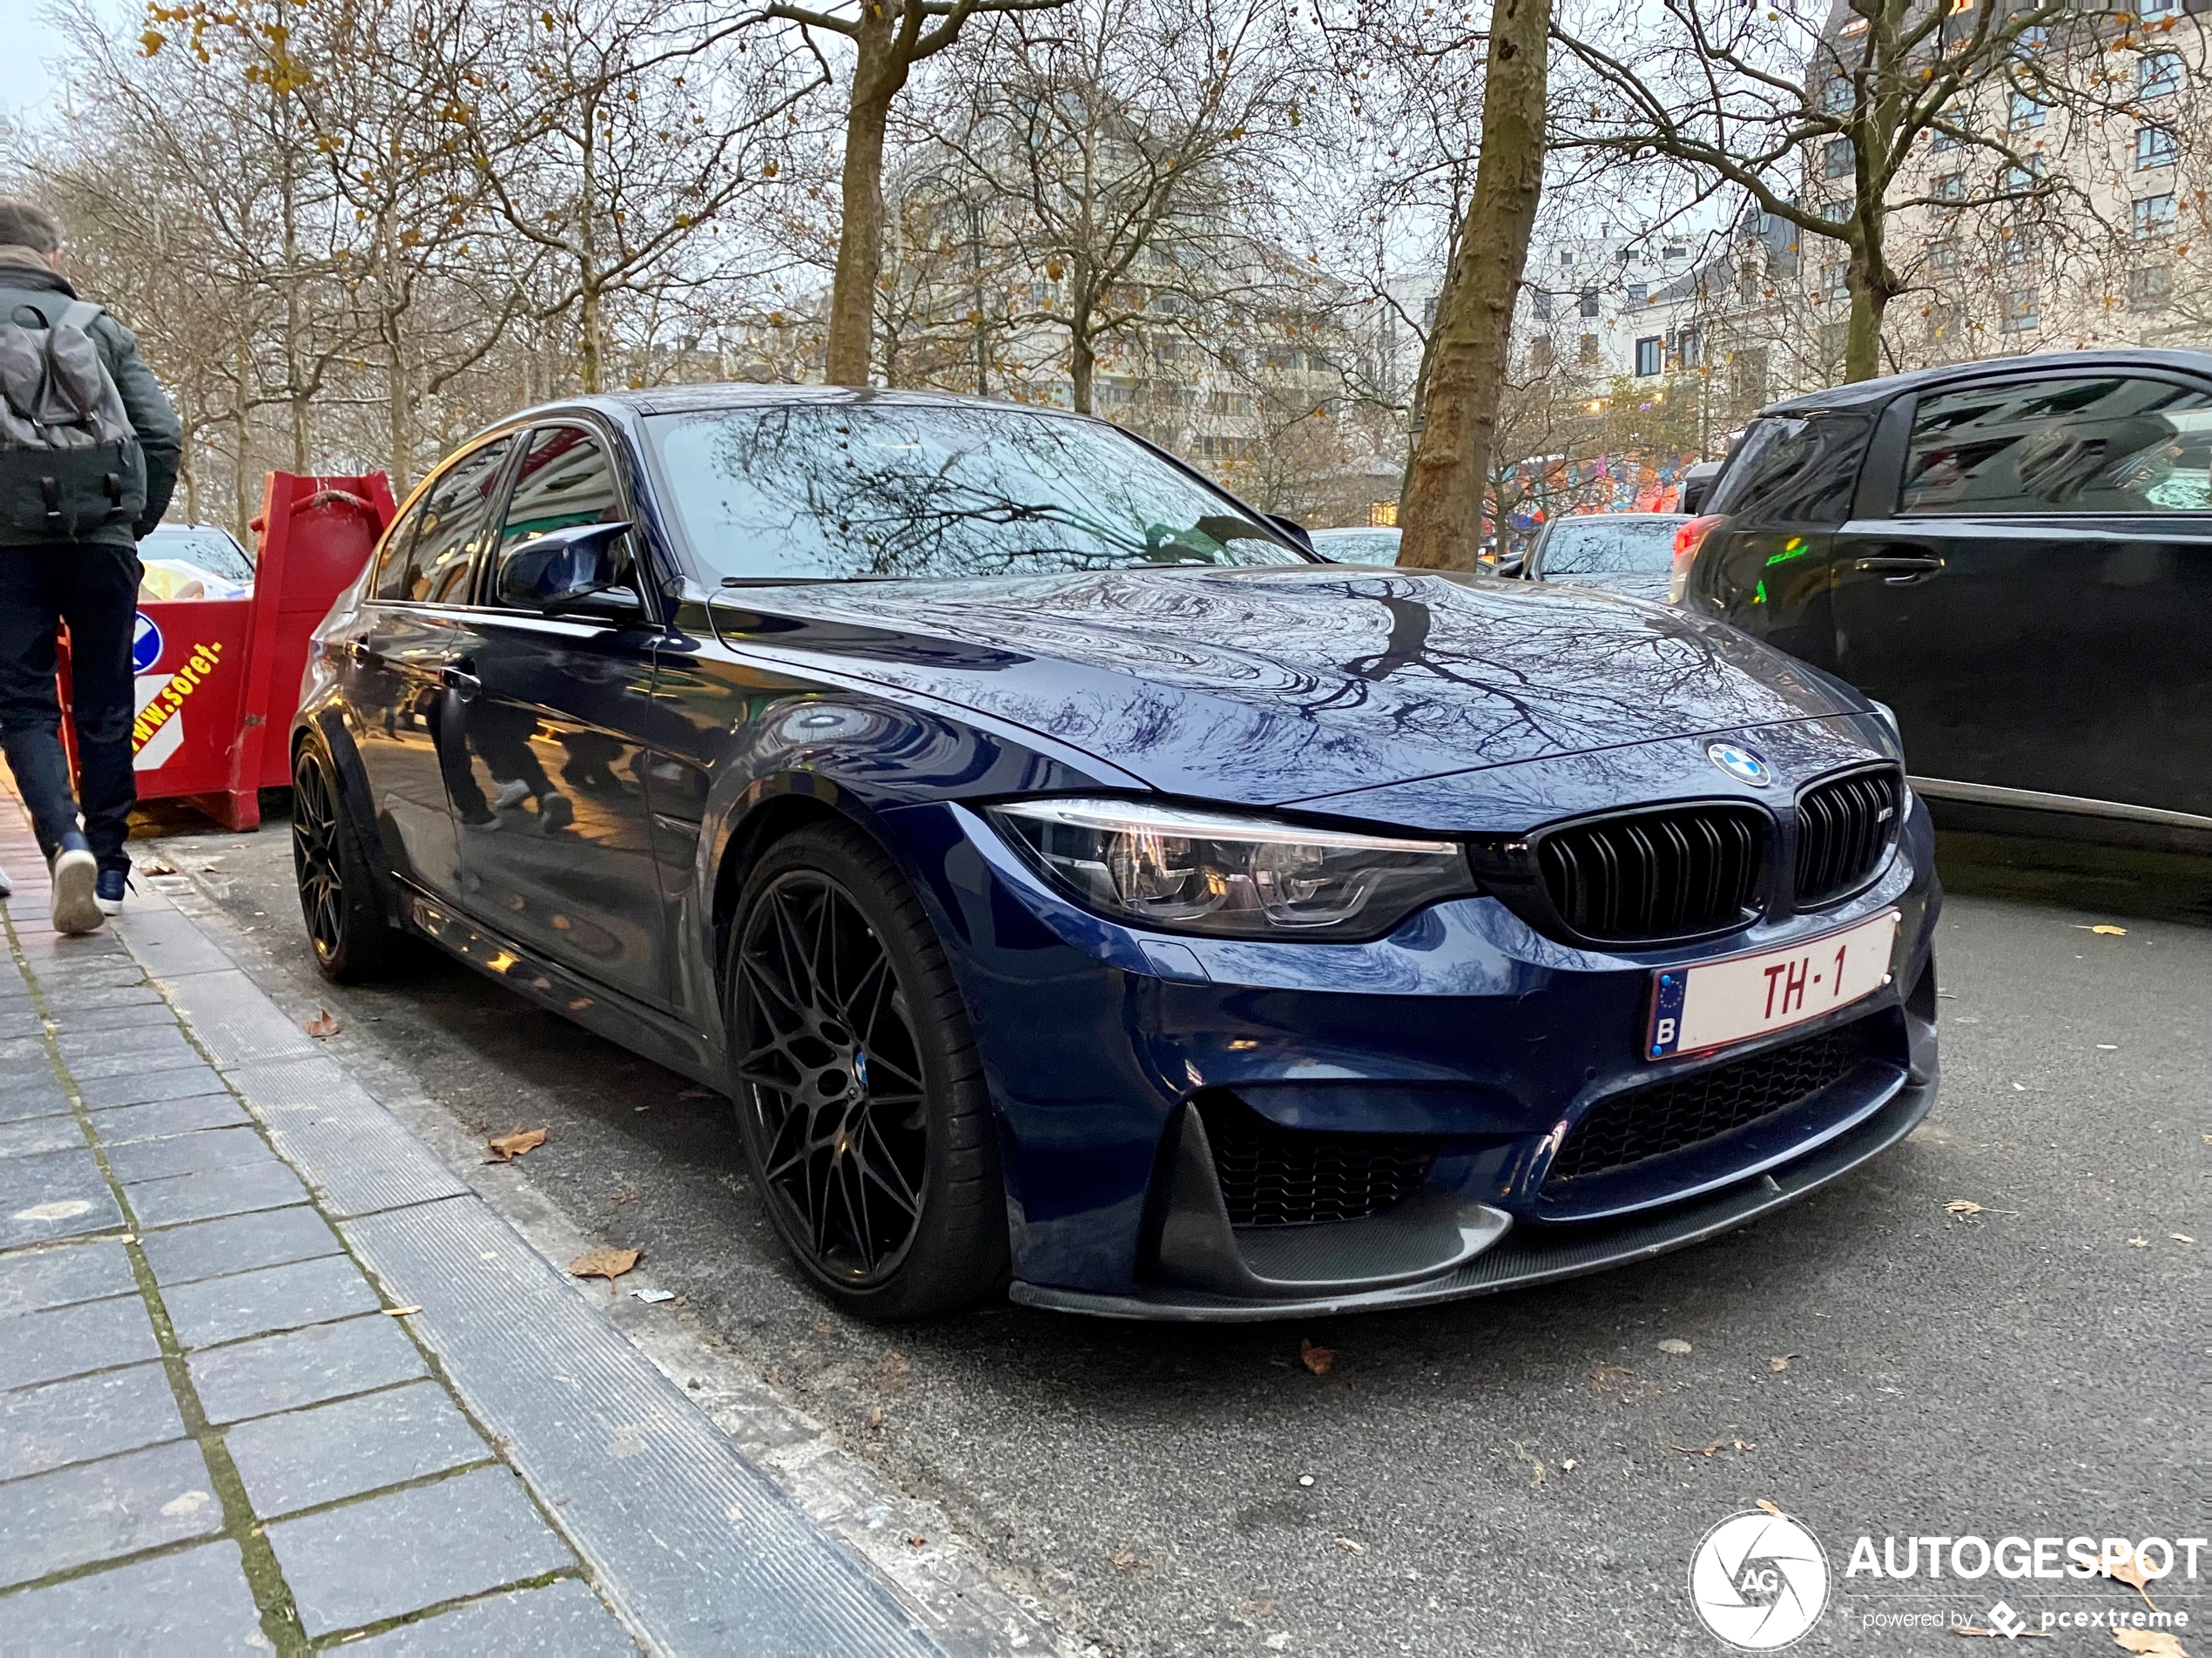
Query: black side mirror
column 1291, row 527
column 570, row 569
column 1514, row 565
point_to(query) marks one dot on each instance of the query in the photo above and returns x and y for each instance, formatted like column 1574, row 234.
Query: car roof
column 712, row 395
column 1867, row 394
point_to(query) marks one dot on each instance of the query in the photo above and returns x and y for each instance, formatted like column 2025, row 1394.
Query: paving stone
column 188, row 1154
column 89, row 1417
column 564, row 1617
column 275, row 1297
column 140, row 1038
column 34, row 1095
column 168, row 1054
column 19, row 1018
column 196, row 1601
column 140, row 995
column 39, row 1134
column 74, row 1516
column 25, row 1054
column 303, row 1367
column 237, row 1243
column 65, row 983
column 397, row 1553
column 54, row 1194
column 128, row 1122
column 129, row 1015
column 170, row 944
column 219, row 1191
column 303, row 1458
column 69, row 1341
column 103, row 1094
column 67, row 1272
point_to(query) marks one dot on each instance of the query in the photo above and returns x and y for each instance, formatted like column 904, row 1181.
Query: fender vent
column 1278, row 1177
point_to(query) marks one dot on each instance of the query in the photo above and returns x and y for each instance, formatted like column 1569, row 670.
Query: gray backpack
column 70, row 462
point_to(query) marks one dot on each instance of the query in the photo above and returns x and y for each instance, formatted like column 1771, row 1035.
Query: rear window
column 1598, row 545
column 1793, row 468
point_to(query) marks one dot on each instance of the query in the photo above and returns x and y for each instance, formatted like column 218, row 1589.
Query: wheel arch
column 772, row 810
column 327, row 724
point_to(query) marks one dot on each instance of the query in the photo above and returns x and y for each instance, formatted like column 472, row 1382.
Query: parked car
column 1078, row 884
column 1356, row 546
column 1697, row 486
column 2016, row 556
column 193, row 561
column 1620, row 552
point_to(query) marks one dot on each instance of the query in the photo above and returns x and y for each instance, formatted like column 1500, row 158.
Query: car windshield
column 1597, row 545
column 1357, row 546
column 211, row 550
column 813, row 492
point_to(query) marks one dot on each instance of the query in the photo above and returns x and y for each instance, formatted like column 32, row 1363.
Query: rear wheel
column 338, row 900
column 859, row 1093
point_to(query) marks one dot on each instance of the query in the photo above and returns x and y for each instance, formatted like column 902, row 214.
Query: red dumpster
column 218, row 679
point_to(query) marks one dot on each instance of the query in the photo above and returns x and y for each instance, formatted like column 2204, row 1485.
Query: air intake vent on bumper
column 1278, row 1177
column 1844, row 828
column 1647, row 876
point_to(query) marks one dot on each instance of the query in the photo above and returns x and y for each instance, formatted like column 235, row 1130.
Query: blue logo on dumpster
column 145, row 645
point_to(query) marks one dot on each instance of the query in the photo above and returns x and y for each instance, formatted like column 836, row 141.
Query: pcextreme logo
column 1759, row 1581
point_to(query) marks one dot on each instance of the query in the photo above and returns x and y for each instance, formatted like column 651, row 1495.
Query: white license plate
column 1696, row 1009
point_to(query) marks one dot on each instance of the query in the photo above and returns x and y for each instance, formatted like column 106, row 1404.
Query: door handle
column 1901, row 567
column 460, row 683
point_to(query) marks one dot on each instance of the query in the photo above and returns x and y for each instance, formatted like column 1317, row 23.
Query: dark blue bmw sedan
column 1082, row 891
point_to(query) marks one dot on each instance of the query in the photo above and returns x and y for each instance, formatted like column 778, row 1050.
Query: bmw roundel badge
column 1740, row 763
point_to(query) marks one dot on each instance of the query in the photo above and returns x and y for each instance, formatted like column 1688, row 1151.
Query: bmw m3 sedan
column 1082, row 891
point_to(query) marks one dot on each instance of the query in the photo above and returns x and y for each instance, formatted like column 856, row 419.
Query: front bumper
column 1465, row 1031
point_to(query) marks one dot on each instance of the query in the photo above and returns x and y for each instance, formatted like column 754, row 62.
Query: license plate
column 1696, row 1009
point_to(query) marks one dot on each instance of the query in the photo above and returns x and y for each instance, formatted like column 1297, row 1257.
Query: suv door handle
column 462, row 683
column 1900, row 566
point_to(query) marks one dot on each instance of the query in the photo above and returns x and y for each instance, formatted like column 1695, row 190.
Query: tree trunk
column 1870, row 298
column 1441, row 517
column 859, row 242
column 399, row 410
column 1082, row 356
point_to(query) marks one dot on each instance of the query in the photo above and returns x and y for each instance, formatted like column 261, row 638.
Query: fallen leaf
column 2152, row 1643
column 1780, row 1361
column 1536, row 1467
column 1962, row 1207
column 2129, row 1569
column 875, row 1418
column 915, row 1540
column 2108, row 930
column 400, row 1312
column 2181, row 1238
column 2138, row 1243
column 1673, row 1344
column 1126, row 1559
column 604, row 1262
column 1351, row 1547
column 1712, row 1450
column 1766, row 1507
column 322, row 1027
column 1317, row 1359
column 505, row 1148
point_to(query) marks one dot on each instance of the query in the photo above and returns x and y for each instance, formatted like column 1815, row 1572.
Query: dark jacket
column 159, row 435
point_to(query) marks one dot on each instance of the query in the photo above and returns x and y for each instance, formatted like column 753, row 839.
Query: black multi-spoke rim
column 832, row 1092
column 314, row 854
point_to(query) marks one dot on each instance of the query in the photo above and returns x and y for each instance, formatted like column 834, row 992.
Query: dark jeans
column 95, row 589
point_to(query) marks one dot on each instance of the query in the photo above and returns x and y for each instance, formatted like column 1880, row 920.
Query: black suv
column 2015, row 556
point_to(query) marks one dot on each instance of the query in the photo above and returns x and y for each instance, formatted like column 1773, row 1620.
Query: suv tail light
column 1688, row 539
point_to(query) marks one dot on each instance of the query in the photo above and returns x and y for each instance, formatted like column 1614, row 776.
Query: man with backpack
column 88, row 457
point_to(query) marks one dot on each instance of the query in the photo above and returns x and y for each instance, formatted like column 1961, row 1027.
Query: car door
column 556, row 849
column 2033, row 605
column 405, row 671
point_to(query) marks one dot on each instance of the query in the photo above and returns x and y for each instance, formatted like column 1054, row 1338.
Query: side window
column 392, row 566
column 2108, row 444
column 567, row 477
column 453, row 513
column 1793, row 469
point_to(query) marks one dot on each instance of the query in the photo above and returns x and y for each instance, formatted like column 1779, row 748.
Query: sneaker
column 76, row 871
column 511, row 794
column 7, row 886
column 108, row 891
column 555, row 811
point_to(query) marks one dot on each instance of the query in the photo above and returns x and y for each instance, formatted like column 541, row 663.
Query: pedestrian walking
column 88, row 457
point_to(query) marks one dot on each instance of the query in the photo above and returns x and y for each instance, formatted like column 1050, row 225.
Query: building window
column 1382, row 515
column 2024, row 181
column 2152, row 216
column 1749, row 371
column 1835, row 158
column 1836, row 94
column 1586, row 354
column 1651, row 354
column 2157, row 8
column 1540, row 354
column 1943, row 259
column 2021, row 243
column 1689, row 349
column 1942, row 322
column 2025, row 112
column 1952, row 186
column 1639, row 294
column 1540, row 303
column 2161, row 75
column 2032, row 39
column 1835, row 282
column 2019, row 311
column 2155, row 147
column 1589, row 302
column 2150, row 287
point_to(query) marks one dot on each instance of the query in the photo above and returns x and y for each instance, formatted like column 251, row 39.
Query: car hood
column 1269, row 686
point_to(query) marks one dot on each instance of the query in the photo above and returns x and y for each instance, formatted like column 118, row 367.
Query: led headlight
column 1181, row 871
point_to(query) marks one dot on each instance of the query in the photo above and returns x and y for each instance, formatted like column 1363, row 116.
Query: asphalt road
column 1531, row 1472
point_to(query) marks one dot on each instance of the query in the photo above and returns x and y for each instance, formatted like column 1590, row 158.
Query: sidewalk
column 272, row 1374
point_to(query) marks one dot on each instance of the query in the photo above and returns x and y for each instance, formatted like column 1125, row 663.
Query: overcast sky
column 28, row 39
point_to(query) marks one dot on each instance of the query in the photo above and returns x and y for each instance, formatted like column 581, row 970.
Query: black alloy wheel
column 352, row 936
column 860, row 1094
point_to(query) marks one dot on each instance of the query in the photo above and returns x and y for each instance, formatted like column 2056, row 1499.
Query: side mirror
column 1514, row 565
column 1291, row 527
column 566, row 570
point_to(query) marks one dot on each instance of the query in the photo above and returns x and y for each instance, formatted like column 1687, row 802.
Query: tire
column 857, row 1083
column 347, row 924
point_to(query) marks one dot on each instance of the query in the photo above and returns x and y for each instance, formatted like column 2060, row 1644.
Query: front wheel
column 860, row 1096
column 347, row 923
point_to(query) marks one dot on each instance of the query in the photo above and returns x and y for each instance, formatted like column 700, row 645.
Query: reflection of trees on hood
column 938, row 490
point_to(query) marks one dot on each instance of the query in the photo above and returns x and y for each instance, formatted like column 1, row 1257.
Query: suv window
column 436, row 569
column 392, row 561
column 2106, row 443
column 1793, row 469
column 567, row 477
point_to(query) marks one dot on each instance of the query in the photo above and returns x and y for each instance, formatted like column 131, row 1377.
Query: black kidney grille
column 1656, row 874
column 1277, row 1176
column 1844, row 827
column 1624, row 1128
